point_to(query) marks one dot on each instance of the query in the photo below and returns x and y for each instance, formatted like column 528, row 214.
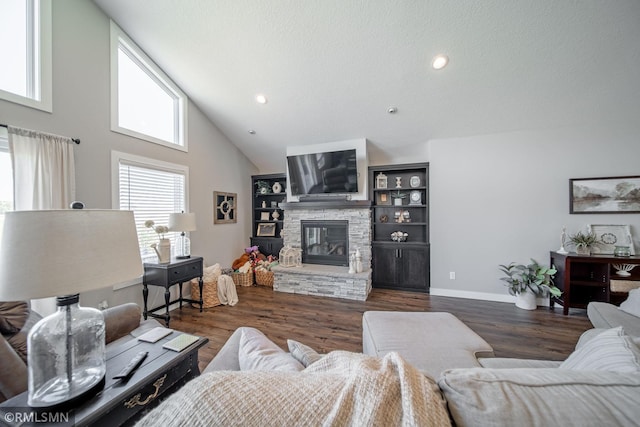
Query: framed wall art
column 266, row 229
column 611, row 236
column 224, row 208
column 604, row 195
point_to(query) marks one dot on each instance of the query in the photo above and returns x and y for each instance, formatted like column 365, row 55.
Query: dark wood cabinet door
column 401, row 266
column 385, row 266
column 414, row 268
column 267, row 246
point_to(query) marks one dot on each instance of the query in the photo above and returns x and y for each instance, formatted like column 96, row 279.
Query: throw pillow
column 257, row 353
column 610, row 350
column 632, row 303
column 303, row 353
column 13, row 316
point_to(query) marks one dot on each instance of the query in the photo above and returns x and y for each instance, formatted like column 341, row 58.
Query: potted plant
column 526, row 282
column 583, row 242
column 263, row 187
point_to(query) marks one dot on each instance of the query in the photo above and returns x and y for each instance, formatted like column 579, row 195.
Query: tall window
column 145, row 103
column 25, row 43
column 6, row 175
column 152, row 190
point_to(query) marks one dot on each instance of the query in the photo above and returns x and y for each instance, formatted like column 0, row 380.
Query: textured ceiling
column 332, row 68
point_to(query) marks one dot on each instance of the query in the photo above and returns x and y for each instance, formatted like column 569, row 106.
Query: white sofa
column 599, row 384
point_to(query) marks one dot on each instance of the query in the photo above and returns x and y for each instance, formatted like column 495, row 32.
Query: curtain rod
column 76, row 140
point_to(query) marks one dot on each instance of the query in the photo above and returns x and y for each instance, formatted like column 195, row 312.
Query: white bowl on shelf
column 623, row 269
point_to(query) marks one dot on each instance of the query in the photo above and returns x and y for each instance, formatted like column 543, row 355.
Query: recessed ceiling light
column 261, row 99
column 392, row 110
column 439, row 62
column 252, row 132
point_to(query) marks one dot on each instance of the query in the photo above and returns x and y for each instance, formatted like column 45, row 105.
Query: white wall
column 81, row 109
column 501, row 198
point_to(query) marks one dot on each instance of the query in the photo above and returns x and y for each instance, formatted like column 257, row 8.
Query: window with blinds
column 6, row 174
column 152, row 191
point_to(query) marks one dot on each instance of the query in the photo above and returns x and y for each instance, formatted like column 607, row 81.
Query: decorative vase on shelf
column 526, row 300
column 277, row 188
column 275, row 215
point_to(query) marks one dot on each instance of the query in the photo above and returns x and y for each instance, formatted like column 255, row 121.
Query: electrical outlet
column 452, row 275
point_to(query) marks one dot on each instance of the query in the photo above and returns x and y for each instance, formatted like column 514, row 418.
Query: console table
column 162, row 372
column 177, row 271
column 586, row 278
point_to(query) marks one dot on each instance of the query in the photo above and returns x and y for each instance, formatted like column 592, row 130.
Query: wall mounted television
column 331, row 172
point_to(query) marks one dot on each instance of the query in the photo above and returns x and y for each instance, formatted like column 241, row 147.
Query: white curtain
column 43, row 170
column 43, row 178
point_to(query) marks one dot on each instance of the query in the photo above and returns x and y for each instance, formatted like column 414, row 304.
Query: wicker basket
column 209, row 293
column 264, row 278
column 242, row 279
column 623, row 285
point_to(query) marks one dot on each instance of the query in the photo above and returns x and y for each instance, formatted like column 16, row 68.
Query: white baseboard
column 482, row 296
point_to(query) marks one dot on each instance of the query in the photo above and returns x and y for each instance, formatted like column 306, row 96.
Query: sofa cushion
column 303, row 353
column 13, row 315
column 605, row 316
column 632, row 304
column 610, row 350
column 539, row 396
column 257, row 353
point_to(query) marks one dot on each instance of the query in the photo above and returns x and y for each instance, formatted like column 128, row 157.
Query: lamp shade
column 182, row 221
column 63, row 252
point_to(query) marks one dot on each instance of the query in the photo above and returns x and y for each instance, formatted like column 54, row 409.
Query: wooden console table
column 177, row 271
column 121, row 401
column 586, row 278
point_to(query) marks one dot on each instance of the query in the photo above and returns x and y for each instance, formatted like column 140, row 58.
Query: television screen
column 318, row 173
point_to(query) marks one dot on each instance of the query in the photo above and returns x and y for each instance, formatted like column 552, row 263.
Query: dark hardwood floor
column 328, row 324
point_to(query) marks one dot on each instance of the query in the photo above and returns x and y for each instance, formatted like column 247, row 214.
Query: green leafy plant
column 531, row 277
column 584, row 240
column 263, row 187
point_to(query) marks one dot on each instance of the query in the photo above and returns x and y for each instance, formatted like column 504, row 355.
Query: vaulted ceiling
column 331, row 69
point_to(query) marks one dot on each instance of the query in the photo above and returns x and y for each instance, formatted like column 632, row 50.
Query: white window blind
column 152, row 194
column 6, row 174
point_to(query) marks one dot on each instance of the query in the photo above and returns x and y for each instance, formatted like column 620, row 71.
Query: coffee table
column 121, row 402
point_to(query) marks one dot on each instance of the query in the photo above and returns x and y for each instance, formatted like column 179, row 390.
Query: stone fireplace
column 321, row 228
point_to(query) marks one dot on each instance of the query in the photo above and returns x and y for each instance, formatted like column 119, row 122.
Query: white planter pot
column 526, row 300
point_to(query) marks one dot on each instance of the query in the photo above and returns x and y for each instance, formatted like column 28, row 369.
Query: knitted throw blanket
column 340, row 389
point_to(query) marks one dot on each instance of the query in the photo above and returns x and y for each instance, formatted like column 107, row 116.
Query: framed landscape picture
column 604, row 195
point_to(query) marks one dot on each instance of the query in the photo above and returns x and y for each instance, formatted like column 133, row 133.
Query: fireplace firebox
column 325, row 242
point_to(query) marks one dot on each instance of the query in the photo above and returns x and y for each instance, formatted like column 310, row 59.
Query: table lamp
column 62, row 253
column 182, row 222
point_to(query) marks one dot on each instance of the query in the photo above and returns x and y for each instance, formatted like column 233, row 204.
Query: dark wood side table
column 586, row 278
column 121, row 402
column 177, row 271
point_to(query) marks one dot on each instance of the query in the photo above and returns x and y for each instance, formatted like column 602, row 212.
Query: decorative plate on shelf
column 414, row 181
